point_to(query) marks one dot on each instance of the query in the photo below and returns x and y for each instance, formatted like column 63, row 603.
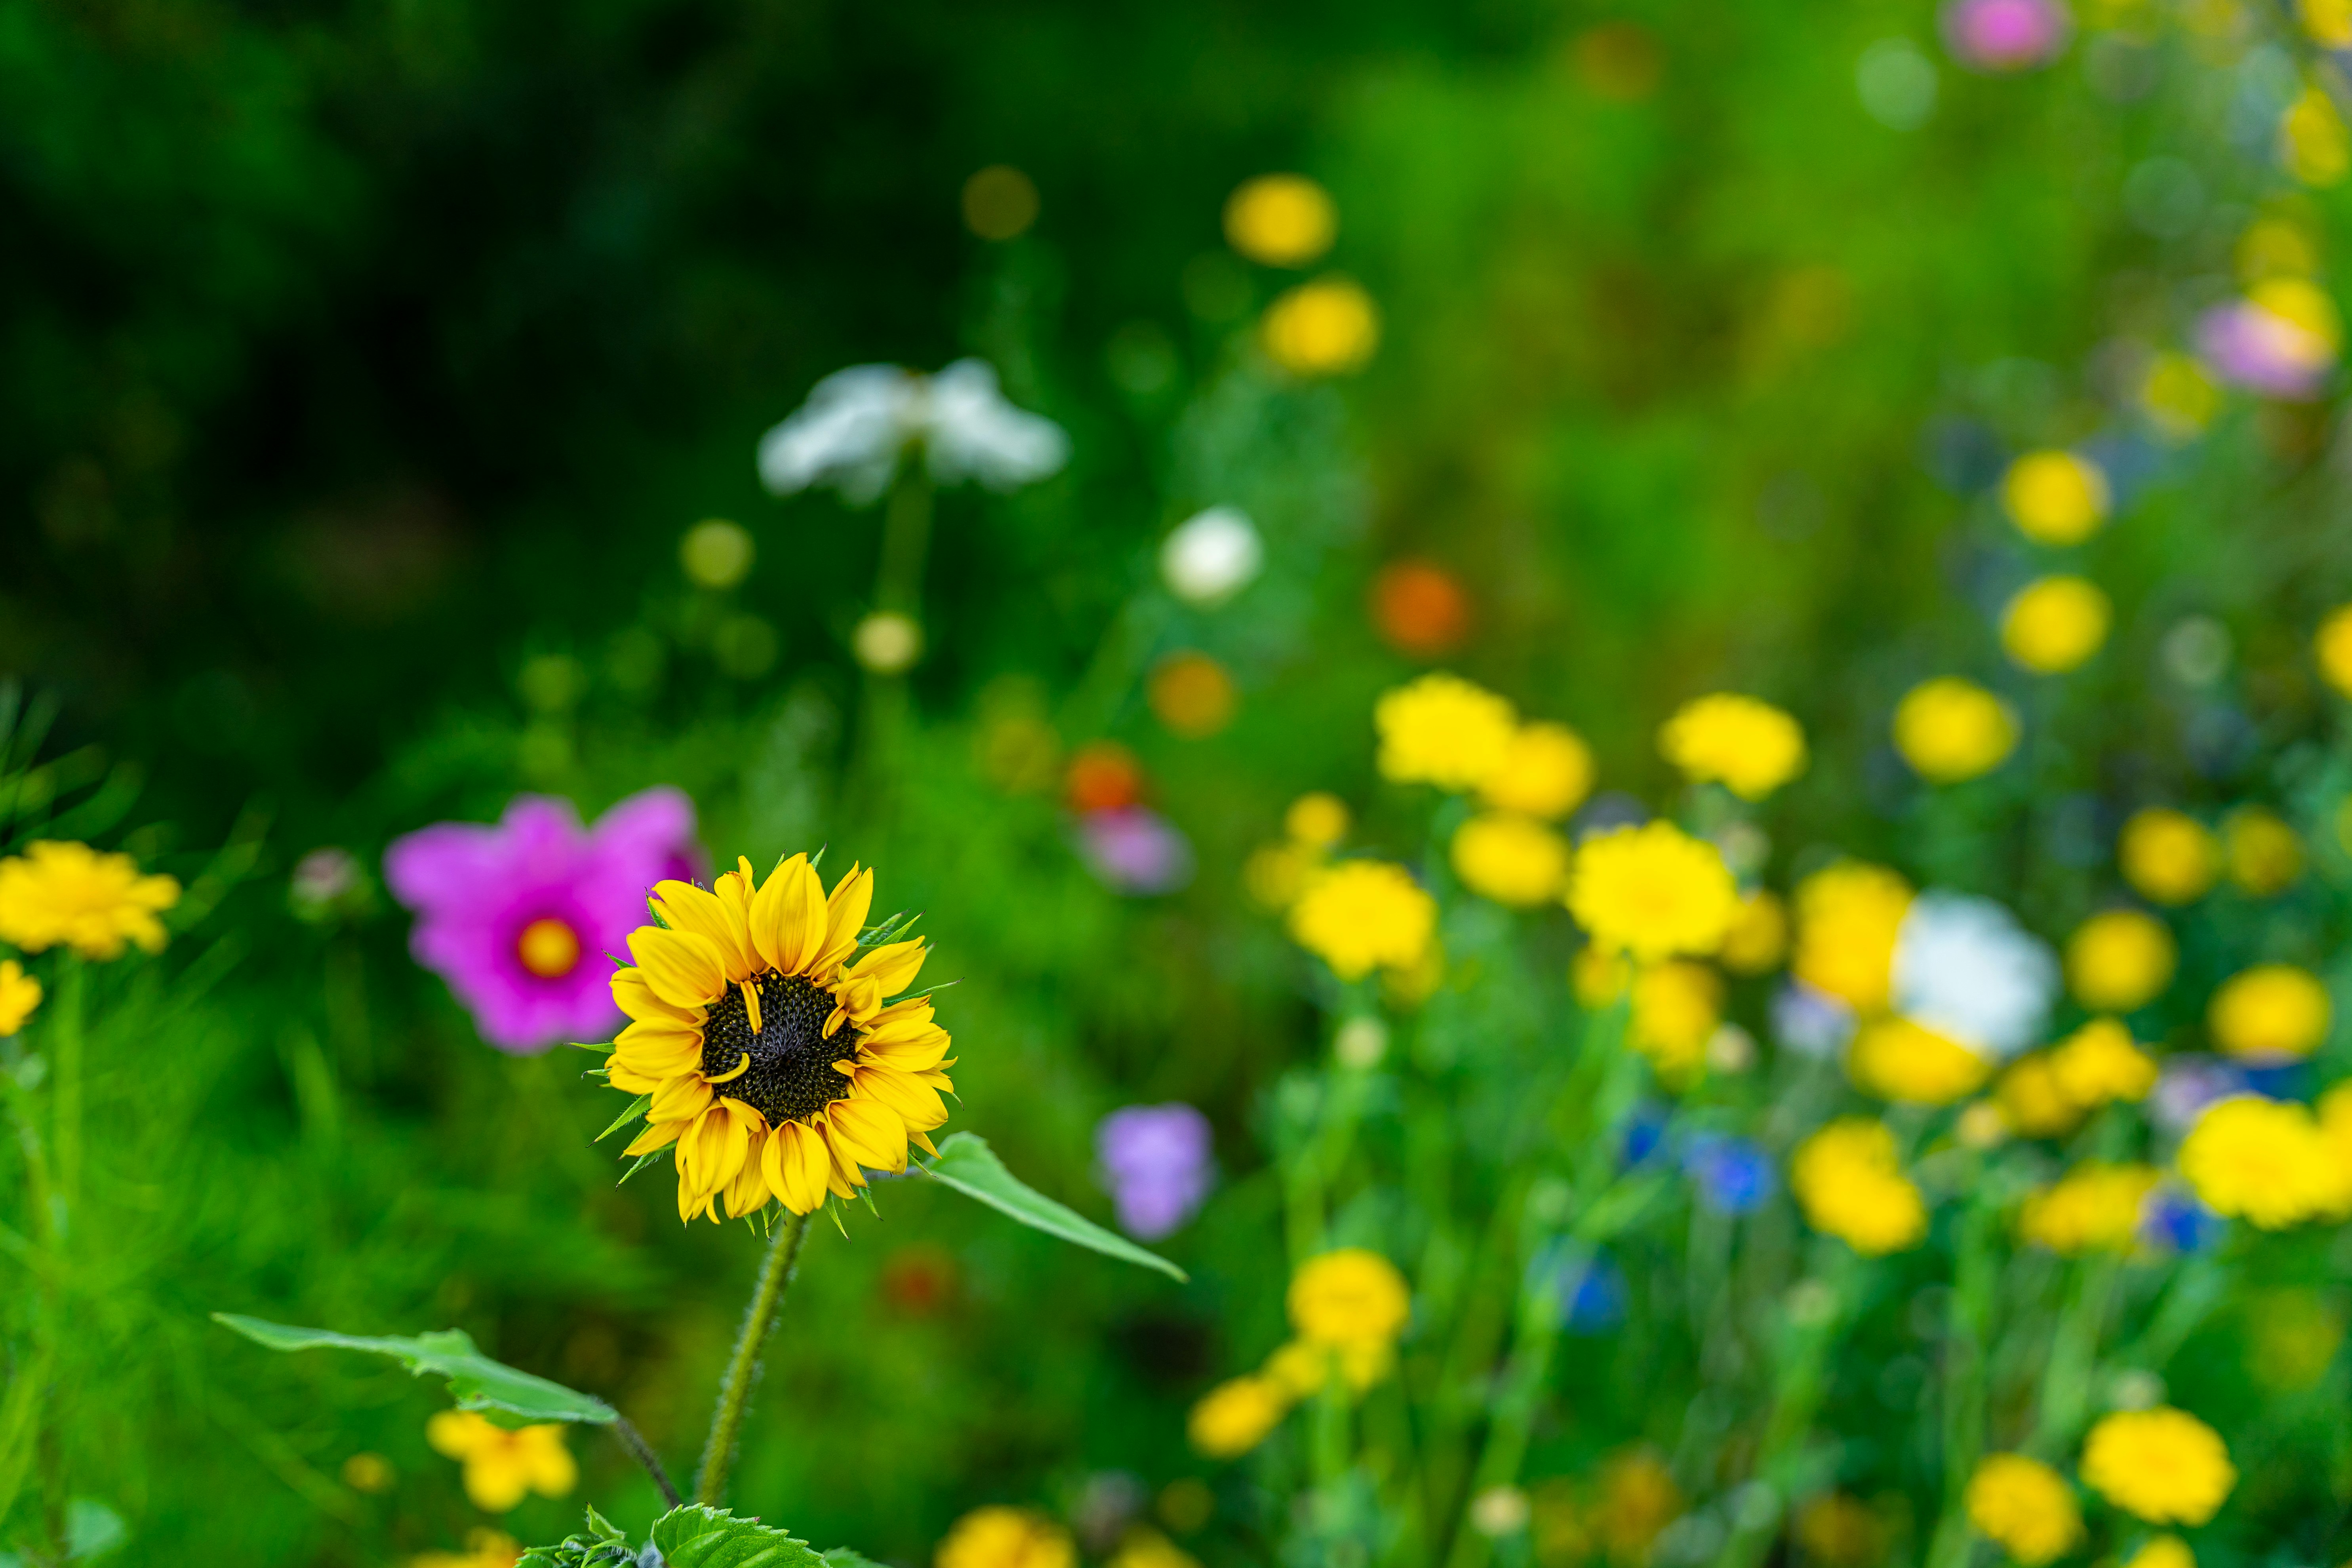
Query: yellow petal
column 795, row 1163
column 911, row 1056
column 687, row 908
column 747, row 1191
column 868, row 1132
column 902, row 1020
column 634, row 996
column 656, row 1135
column 913, row 1101
column 628, row 1080
column 892, row 968
column 685, row 968
column 682, row 1098
column 495, row 1485
column 788, row 916
column 454, row 1434
column 845, row 913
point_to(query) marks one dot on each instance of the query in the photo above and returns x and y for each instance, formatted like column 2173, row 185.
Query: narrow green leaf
column 968, row 1165
column 604, row 1049
column 636, row 1109
column 476, row 1381
column 647, row 1158
column 696, row 1536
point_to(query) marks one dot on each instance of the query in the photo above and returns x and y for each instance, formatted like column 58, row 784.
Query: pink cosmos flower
column 2004, row 35
column 2264, row 351
column 518, row 918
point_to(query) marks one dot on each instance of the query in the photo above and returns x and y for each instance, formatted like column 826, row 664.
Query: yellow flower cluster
column 1361, row 915
column 1348, row 1309
column 1848, row 917
column 2272, row 1163
column 2263, row 855
column 2271, row 1013
column 999, row 1537
column 2120, row 959
column 1951, row 730
column 2163, row 1465
column 500, row 1466
column 1759, row 937
column 2055, row 623
column 1512, row 859
column 1900, row 1059
column 1676, row 1007
column 19, row 994
column 2025, row 1507
column 2093, row 1207
column 2168, row 855
column 1546, row 771
column 1751, row 748
column 1276, row 874
column 1848, row 1181
column 2049, row 1093
column 1652, row 891
column 2055, row 496
column 1443, row 731
column 72, row 896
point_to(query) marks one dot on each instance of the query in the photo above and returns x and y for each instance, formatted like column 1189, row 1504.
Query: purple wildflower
column 516, row 917
column 2264, row 352
column 1155, row 1160
column 2004, row 35
column 1134, row 849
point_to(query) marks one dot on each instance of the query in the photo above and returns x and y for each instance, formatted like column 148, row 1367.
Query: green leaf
column 476, row 1381
column 696, row 1536
column 604, row 1546
column 649, row 1157
column 603, row 1049
column 636, row 1109
column 968, row 1165
column 849, row 1557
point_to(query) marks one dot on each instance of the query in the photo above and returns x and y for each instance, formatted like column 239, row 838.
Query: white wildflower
column 1212, row 556
column 856, row 424
column 1966, row 969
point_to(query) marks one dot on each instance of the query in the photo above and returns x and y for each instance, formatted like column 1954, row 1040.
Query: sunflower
column 763, row 1029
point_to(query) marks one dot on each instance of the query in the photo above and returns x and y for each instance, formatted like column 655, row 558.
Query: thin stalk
column 1974, row 1275
column 2065, row 1396
column 40, row 1195
column 743, row 1367
column 906, row 542
column 66, row 1032
column 642, row 1452
column 1803, row 1363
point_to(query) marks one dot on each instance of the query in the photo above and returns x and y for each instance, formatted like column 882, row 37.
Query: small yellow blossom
column 1677, row 1008
column 2263, row 855
column 2333, row 649
column 1001, row 1537
column 19, row 994
column 2179, row 398
column 1759, row 937
column 1327, row 327
column 1899, row 1060
column 1654, row 891
column 1951, row 730
column 2031, row 1101
column 2168, row 855
column 2163, row 1551
column 2271, row 1012
column 1837, row 1530
column 1276, row 874
column 2095, row 1208
column 1443, row 731
column 1361, row 915
column 2330, row 23
column 1149, row 1549
column 2055, row 496
column 1546, row 772
column 2055, row 623
column 2262, row 1160
column 2313, row 141
column 1236, row 1417
column 2098, row 1064
column 1317, row 819
column 1281, row 220
column 1751, row 748
column 69, row 893
column 1601, row 977
column 1847, row 1180
column 501, row 1465
column 2163, row 1465
column 1638, row 1501
column 2120, row 959
column 1350, row 1297
column 484, row 1548
column 1848, row 917
column 1304, row 1369
column 2024, row 1506
column 1512, row 859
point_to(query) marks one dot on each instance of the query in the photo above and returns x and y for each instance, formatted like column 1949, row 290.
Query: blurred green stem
column 26, row 1416
column 1812, row 1326
column 906, row 541
column 2074, row 1355
column 1975, row 1272
column 743, row 1367
column 66, row 1031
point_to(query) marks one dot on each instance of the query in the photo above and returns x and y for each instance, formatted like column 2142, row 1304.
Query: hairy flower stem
column 642, row 1452
column 743, row 1367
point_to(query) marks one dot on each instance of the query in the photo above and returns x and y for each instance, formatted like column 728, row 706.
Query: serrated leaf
column 636, row 1109
column 968, row 1165
column 476, row 1381
column 696, row 1536
column 604, row 1546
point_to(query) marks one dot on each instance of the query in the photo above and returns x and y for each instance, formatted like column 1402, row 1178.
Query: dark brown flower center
column 790, row 1076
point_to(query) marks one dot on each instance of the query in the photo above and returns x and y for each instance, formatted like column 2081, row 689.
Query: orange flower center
column 549, row 948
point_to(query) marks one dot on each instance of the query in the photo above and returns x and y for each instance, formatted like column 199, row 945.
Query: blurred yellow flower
column 1319, row 819
column 1638, row 1501
column 2277, row 247
column 999, row 1537
column 2179, row 398
column 1676, row 1007
column 1951, row 730
column 2168, row 855
column 1149, row 1549
column 2120, row 959
column 1304, row 1369
column 1759, row 937
column 2053, row 624
column 2261, row 1159
column 1600, row 977
column 1512, row 859
column 1281, row 220
column 2313, row 141
column 2263, row 855
column 2024, row 1506
column 2032, row 1102
column 1848, row 917
column 2329, row 24
column 1546, row 772
column 1352, row 1297
column 1191, row 694
column 1751, row 748
column 1000, row 202
column 1847, row 1180
column 367, row 1471
column 1652, row 891
column 2055, row 496
column 1329, row 327
column 1898, row 1059
column 2093, row 1207
column 2162, row 1551
column 501, row 1465
column 484, row 1548
column 2333, row 649
column 2293, row 1335
column 2164, row 1465
column 2271, row 1012
column 69, row 893
column 1276, row 874
column 2301, row 303
column 1361, row 915
column 1443, row 731
column 1236, row 1417
column 1837, row 1530
column 2098, row 1064
column 19, row 994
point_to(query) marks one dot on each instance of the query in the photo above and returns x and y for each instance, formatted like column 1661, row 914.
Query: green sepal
column 867, row 1193
column 636, row 1109
column 476, row 1381
column 968, row 1165
column 604, row 1049
column 696, row 1536
column 647, row 1158
column 885, row 931
column 601, row 1075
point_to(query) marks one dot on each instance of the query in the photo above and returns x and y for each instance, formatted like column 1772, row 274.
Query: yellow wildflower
column 2163, row 1551
column 2095, row 1208
column 2178, row 397
column 1361, row 915
column 1759, row 937
column 2270, row 1011
column 69, row 893
column 1899, row 1060
column 2312, row 141
column 1652, row 891
column 2098, row 1064
column 2032, row 1102
column 1546, row 772
column 1837, row 1530
column 1327, row 327
column 1847, row 1180
column 1751, row 748
column 1514, row 861
column 1001, row 1537
column 2055, row 496
column 1149, row 1549
column 1442, row 730
column 501, row 1465
column 2170, row 857
column 2330, row 23
column 2025, row 1506
column 19, row 994
column 2333, row 647
column 484, row 1548
column 1236, row 1417
column 1281, row 220
column 1350, row 1297
column 2263, row 855
column 1276, row 874
column 2163, row 1465
column 1848, row 917
column 1303, row 1368
column 2120, row 959
column 1676, row 1007
column 2261, row 1159
column 1317, row 819
column 2055, row 624
column 1951, row 730
column 1638, row 1501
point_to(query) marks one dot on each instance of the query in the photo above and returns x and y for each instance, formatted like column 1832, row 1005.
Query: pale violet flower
column 857, row 422
column 1811, row 1023
column 1966, row 969
column 1212, row 556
